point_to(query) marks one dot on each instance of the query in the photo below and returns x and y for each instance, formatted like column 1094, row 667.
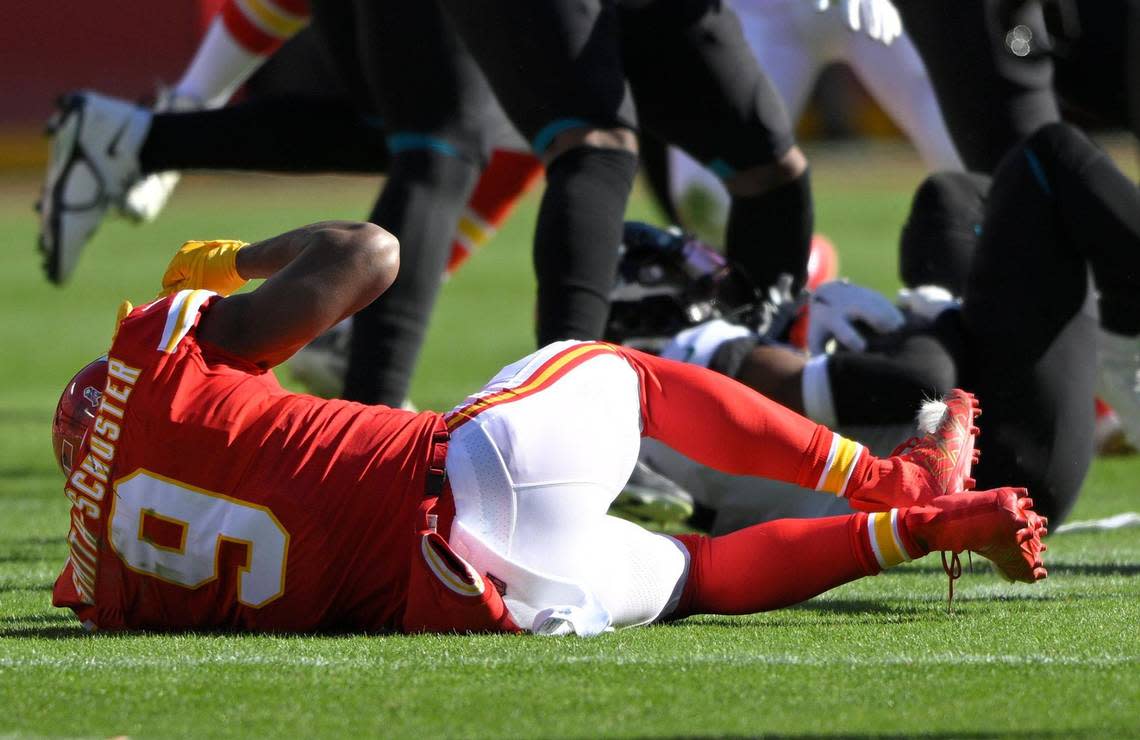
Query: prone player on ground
column 1024, row 333
column 207, row 497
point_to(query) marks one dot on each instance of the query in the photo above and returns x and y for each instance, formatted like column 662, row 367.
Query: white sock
column 220, row 66
column 819, row 406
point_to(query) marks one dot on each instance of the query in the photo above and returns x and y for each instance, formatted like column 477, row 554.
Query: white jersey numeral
column 201, row 520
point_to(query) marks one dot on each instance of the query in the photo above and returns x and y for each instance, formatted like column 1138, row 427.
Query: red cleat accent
column 999, row 525
column 947, row 452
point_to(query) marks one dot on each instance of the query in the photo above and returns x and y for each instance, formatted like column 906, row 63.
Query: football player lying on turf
column 205, row 496
column 1024, row 335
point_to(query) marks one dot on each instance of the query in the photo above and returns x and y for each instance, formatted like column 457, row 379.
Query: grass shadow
column 52, row 616
column 833, row 610
column 908, row 735
column 50, row 632
column 8, row 588
column 1101, row 570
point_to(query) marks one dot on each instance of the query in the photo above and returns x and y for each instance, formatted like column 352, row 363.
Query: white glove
column 879, row 19
column 698, row 345
column 927, row 301
column 836, row 304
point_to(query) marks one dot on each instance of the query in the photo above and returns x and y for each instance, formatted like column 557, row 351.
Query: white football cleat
column 1119, row 379
column 146, row 197
column 94, row 157
column 650, row 496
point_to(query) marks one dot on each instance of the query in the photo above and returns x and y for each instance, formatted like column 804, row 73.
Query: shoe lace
column 906, row 446
column 953, row 570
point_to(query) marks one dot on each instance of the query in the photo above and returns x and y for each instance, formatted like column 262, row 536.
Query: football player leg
column 96, row 141
column 696, row 51
column 435, row 103
column 895, row 76
column 782, row 35
column 1058, row 208
column 734, row 573
column 556, row 68
column 239, row 40
column 86, row 176
column 1009, row 96
column 538, row 455
column 507, row 177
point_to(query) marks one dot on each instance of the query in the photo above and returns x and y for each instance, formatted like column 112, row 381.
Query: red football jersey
column 209, row 497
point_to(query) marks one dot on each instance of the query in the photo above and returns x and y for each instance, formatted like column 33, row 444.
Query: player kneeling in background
column 205, row 496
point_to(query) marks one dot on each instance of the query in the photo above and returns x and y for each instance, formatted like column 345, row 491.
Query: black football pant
column 682, row 70
column 411, row 102
column 403, row 97
column 1084, row 63
column 989, row 97
column 436, row 110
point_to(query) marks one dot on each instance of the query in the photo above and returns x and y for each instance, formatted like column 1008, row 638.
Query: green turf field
column 879, row 657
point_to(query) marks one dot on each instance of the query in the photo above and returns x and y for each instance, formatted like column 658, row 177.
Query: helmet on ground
column 667, row 281
column 75, row 412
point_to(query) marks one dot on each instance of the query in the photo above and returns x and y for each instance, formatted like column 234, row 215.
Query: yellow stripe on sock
column 274, row 19
column 886, row 546
column 475, row 233
column 846, row 453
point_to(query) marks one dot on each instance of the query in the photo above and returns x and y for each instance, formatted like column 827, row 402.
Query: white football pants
column 533, row 476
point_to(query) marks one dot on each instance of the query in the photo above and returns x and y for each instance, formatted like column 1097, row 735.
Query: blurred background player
column 315, row 514
column 1003, row 68
column 1024, row 334
column 794, row 40
column 569, row 75
column 429, row 140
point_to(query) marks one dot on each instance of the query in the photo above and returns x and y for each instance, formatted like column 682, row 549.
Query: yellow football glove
column 204, row 264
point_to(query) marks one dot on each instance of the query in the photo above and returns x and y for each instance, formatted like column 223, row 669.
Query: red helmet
column 823, row 262
column 75, row 412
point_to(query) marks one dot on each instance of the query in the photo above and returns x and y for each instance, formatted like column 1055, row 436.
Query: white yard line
column 421, row 662
column 1107, row 524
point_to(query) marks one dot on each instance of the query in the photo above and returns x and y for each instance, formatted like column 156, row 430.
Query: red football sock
column 725, row 425
column 784, row 562
column 255, row 34
column 506, row 178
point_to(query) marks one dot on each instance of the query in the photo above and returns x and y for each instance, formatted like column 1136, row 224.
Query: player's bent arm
column 315, row 276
